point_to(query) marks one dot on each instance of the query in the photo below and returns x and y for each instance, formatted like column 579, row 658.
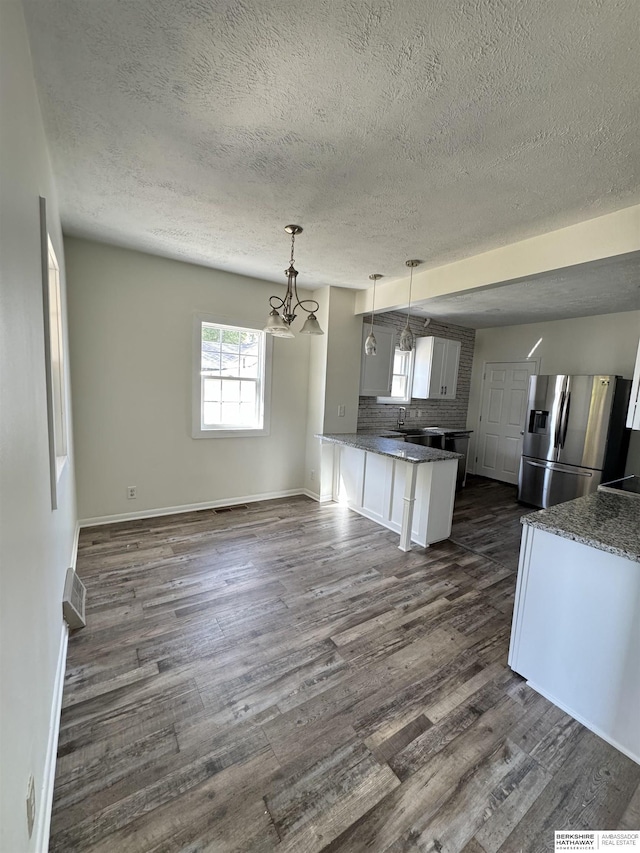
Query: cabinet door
column 450, row 369
column 438, row 361
column 436, row 368
column 633, row 415
column 422, row 368
column 376, row 371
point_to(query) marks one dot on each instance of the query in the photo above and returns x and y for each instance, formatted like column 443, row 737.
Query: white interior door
column 503, row 412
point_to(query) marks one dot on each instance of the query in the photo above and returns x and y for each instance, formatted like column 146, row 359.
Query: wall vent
column 73, row 600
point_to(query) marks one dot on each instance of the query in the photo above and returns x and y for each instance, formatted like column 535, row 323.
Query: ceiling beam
column 595, row 239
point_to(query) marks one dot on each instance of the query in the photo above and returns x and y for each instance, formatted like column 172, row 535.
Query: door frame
column 536, row 361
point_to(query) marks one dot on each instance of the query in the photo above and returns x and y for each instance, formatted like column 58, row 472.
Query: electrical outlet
column 31, row 804
column 132, row 492
column 341, row 411
column 313, row 475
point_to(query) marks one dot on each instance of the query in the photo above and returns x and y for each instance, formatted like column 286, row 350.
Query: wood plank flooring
column 282, row 677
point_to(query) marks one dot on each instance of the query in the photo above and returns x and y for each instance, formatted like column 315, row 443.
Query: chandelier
column 280, row 325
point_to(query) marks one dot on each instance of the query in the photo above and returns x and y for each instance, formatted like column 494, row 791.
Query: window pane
column 231, row 391
column 230, row 413
column 398, row 386
column 249, row 366
column 210, row 356
column 248, row 392
column 229, row 360
column 211, row 414
column 211, row 390
column 210, row 333
column 247, row 415
column 231, row 337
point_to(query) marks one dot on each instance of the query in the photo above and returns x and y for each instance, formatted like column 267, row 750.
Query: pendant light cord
column 410, row 288
column 373, row 305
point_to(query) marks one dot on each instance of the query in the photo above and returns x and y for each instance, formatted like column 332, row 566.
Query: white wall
column 36, row 542
column 317, row 381
column 603, row 344
column 130, row 317
column 334, row 380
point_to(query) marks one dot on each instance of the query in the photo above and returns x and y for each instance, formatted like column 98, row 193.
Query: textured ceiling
column 602, row 287
column 388, row 129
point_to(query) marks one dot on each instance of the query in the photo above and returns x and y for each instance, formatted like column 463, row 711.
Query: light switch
column 341, row 410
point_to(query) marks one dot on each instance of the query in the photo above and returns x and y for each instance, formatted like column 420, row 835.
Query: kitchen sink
column 417, row 430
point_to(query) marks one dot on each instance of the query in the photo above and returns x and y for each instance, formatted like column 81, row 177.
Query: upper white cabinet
column 633, row 414
column 376, row 371
column 435, row 375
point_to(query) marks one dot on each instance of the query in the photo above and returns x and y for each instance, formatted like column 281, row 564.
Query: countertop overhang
column 603, row 520
column 394, row 448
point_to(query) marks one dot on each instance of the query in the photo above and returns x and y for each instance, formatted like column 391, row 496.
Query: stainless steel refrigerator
column 574, row 437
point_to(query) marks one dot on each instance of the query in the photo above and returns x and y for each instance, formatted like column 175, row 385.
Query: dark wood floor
column 282, row 677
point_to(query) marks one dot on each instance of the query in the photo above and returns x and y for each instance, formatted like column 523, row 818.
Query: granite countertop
column 609, row 522
column 395, row 448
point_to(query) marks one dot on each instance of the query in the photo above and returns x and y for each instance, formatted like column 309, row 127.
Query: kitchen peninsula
column 576, row 622
column 407, row 488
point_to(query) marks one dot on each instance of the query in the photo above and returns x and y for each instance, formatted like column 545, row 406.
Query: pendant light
column 280, row 326
column 406, row 336
column 370, row 344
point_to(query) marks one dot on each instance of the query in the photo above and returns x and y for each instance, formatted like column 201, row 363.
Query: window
column 402, row 378
column 54, row 354
column 230, row 380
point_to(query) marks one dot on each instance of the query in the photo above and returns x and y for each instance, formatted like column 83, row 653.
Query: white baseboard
column 175, row 510
column 595, row 729
column 45, row 800
column 74, row 547
column 315, row 496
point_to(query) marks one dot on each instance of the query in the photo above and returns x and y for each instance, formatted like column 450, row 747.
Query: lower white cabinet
column 414, row 500
column 435, row 373
column 575, row 635
column 376, row 371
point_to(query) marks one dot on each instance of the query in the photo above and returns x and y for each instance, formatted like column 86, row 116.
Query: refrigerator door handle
column 562, row 469
column 564, row 420
column 556, row 435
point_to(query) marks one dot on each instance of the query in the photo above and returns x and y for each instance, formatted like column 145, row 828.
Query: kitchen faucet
column 402, row 411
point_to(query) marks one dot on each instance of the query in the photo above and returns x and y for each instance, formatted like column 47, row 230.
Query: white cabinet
column 376, row 371
column 575, row 635
column 633, row 415
column 435, row 374
column 412, row 499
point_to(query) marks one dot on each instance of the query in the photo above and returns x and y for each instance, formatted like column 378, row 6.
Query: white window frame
column 54, row 355
column 406, row 398
column 199, row 430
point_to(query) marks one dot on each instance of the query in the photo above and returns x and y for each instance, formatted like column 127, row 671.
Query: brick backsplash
column 446, row 413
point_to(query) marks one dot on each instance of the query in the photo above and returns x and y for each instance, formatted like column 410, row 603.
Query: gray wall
column 449, row 413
